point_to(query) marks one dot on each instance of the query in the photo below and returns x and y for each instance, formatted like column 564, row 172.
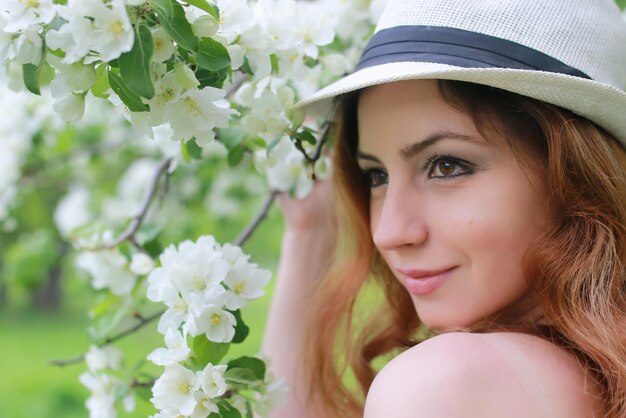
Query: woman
column 481, row 180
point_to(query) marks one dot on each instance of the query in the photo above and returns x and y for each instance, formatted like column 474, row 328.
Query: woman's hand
column 315, row 213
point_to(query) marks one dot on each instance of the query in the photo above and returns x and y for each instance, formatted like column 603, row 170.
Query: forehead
column 400, row 113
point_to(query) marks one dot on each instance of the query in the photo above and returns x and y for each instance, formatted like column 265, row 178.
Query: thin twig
column 261, row 214
column 318, row 148
column 320, row 144
column 143, row 321
column 237, row 82
column 133, row 227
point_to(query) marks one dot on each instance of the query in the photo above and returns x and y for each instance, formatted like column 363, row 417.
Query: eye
column 445, row 167
column 375, row 177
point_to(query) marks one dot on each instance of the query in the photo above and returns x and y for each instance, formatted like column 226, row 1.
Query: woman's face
column 452, row 214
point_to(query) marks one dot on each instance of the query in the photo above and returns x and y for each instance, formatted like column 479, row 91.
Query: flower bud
column 185, row 76
column 205, row 26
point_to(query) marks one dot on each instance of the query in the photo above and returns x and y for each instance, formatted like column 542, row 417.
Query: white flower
column 285, row 168
column 163, row 45
column 70, row 108
column 245, row 282
column 28, row 47
column 238, row 23
column 202, row 275
column 174, row 391
column 24, row 14
column 108, row 357
column 141, row 264
column 212, row 380
column 72, row 211
column 134, row 2
column 204, row 406
column 177, row 349
column 197, row 112
column 218, row 325
column 101, row 403
column 93, row 26
column 108, row 270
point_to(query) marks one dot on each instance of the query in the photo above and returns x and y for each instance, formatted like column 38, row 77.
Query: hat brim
column 598, row 102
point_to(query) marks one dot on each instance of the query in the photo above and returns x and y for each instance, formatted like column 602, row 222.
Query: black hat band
column 456, row 47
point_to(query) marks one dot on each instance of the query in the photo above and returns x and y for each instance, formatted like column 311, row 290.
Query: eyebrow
column 415, row 148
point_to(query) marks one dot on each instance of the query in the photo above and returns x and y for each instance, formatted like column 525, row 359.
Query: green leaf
column 241, row 376
column 241, row 329
column 206, row 6
column 135, row 64
column 235, row 155
column 275, row 63
column 153, row 248
column 194, row 149
column 227, row 410
column 101, row 85
column 207, row 351
column 129, row 98
column 175, row 22
column 231, row 136
column 31, row 75
column 257, row 366
column 212, row 78
column 164, row 8
column 306, row 136
column 212, row 55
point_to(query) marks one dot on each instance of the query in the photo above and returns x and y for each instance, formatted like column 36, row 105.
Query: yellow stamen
column 216, row 319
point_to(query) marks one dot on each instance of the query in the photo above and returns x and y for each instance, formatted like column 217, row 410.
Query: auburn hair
column 577, row 269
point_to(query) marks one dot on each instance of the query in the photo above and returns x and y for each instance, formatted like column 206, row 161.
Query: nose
column 397, row 220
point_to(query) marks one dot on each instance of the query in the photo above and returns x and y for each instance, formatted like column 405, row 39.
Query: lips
column 422, row 282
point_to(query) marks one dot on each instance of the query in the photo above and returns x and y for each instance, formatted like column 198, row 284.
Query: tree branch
column 247, row 233
column 318, row 147
column 237, row 82
column 143, row 321
column 133, row 227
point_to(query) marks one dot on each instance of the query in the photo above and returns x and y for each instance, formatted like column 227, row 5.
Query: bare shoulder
column 482, row 375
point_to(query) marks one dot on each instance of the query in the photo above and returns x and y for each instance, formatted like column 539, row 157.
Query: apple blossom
column 26, row 14
column 174, row 391
column 197, row 113
column 107, row 357
column 212, row 380
column 163, row 46
column 141, row 264
column 176, row 351
column 245, row 282
column 217, row 324
column 108, row 269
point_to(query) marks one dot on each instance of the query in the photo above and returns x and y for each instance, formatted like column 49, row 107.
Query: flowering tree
column 183, row 87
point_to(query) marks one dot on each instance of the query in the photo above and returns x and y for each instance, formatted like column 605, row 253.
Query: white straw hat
column 571, row 53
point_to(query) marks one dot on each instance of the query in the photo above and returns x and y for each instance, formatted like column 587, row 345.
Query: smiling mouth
column 421, row 282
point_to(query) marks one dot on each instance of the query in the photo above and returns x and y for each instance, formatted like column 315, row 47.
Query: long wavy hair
column 577, row 269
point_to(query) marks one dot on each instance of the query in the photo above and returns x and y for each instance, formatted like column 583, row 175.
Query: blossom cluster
column 203, row 285
column 169, row 64
column 103, row 385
